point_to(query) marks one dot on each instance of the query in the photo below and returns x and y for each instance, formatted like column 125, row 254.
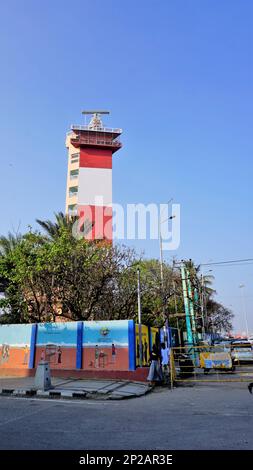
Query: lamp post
column 139, row 314
column 242, row 286
column 161, row 255
column 161, row 241
column 161, row 244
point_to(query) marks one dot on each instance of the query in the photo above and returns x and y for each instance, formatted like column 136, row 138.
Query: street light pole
column 139, row 314
column 241, row 286
column 161, row 241
column 161, row 256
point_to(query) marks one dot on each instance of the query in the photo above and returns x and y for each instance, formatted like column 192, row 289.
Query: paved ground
column 198, row 417
column 69, row 388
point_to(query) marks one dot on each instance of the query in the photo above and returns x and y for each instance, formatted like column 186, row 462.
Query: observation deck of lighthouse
column 98, row 136
column 110, row 130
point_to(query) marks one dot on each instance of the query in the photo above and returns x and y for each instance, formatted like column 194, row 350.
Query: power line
column 235, row 265
column 231, row 262
column 231, row 265
column 228, row 264
column 244, row 262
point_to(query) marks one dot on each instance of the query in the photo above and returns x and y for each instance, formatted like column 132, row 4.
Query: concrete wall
column 94, row 346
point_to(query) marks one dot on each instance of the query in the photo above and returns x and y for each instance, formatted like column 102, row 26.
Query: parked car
column 241, row 351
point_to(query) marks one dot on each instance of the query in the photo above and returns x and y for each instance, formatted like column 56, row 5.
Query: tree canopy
column 53, row 276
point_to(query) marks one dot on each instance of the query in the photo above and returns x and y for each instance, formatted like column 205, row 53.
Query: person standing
column 164, row 356
column 165, row 362
column 155, row 370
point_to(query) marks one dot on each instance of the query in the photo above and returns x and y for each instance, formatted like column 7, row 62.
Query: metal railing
column 111, row 130
column 94, row 141
column 208, row 364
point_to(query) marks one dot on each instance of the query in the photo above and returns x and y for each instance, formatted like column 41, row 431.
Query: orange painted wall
column 105, row 359
column 14, row 357
column 63, row 359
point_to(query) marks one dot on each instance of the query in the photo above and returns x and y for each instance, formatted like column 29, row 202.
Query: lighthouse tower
column 89, row 181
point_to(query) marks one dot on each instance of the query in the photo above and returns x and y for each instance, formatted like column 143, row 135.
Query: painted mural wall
column 15, row 346
column 56, row 343
column 145, row 345
column 91, row 345
column 149, row 336
column 154, row 336
column 105, row 345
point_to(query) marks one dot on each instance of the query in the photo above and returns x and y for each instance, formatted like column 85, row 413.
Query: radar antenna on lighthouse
column 96, row 121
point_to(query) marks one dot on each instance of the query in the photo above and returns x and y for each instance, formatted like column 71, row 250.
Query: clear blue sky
column 177, row 77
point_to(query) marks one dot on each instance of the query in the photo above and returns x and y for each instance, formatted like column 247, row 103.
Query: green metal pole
column 186, row 307
column 192, row 314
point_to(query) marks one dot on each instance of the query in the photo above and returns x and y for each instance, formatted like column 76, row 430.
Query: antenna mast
column 96, row 121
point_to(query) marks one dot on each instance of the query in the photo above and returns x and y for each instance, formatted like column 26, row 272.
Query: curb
column 42, row 394
column 67, row 394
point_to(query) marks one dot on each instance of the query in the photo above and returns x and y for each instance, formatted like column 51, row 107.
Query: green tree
column 219, row 319
column 74, row 279
column 44, row 277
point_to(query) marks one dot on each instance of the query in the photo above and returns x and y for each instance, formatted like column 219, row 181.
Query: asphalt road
column 199, row 417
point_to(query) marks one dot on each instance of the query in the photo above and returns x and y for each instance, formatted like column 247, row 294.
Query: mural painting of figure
column 142, row 350
column 5, row 353
column 96, row 357
column 2, row 354
column 102, row 359
column 43, row 355
column 59, row 355
column 26, row 351
column 145, row 352
column 113, row 353
column 51, row 353
column 137, row 353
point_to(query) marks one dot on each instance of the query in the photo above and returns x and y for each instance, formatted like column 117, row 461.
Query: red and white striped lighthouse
column 89, row 181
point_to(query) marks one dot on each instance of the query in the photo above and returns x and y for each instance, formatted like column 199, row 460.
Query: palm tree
column 53, row 228
column 7, row 246
column 201, row 286
column 63, row 221
column 195, row 276
column 9, row 243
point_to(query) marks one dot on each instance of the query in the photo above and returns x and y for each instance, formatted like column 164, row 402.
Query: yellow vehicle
column 216, row 357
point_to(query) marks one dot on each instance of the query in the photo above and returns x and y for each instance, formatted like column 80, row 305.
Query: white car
column 241, row 351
